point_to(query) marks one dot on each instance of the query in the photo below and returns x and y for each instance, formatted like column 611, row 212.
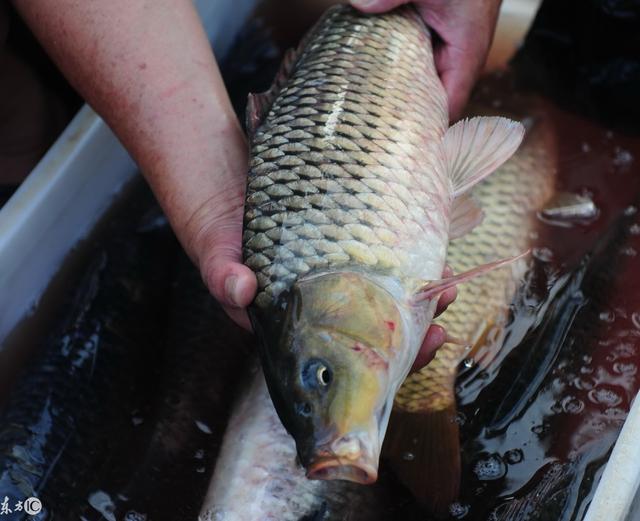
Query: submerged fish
column 355, row 187
column 67, row 412
column 164, row 472
column 257, row 476
column 423, row 444
column 545, row 502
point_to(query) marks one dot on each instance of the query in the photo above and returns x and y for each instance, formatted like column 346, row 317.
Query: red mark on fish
column 391, row 325
column 372, row 356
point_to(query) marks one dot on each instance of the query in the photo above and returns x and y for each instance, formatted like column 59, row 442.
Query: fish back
column 347, row 165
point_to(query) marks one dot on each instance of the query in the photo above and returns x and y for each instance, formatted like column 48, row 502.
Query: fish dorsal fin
column 465, row 216
column 476, row 147
column 258, row 105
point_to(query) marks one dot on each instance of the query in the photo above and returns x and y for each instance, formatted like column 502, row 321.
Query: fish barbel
column 355, row 186
column 423, row 423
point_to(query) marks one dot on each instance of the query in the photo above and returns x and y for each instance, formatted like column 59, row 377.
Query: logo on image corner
column 32, row 506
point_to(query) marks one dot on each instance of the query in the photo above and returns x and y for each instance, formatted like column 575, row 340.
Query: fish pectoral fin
column 433, row 289
column 465, row 216
column 476, row 147
column 423, row 450
column 450, row 339
column 259, row 104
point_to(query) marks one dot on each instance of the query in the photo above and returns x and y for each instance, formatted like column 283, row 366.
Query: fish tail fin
column 423, row 450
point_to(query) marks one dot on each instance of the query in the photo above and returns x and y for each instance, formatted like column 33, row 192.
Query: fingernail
column 230, row 284
column 363, row 3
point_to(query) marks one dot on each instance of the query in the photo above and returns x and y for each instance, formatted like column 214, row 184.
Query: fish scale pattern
column 347, row 165
column 509, row 198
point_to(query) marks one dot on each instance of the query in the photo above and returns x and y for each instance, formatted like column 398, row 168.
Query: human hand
column 215, row 243
column 465, row 30
column 168, row 105
column 436, row 335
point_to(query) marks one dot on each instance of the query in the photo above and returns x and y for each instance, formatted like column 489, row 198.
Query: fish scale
column 335, row 176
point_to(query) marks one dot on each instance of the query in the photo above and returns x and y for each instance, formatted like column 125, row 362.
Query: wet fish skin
column 347, row 217
column 313, row 203
column 257, row 477
column 424, row 419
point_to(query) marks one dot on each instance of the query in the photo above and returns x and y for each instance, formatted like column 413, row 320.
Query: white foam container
column 73, row 185
column 616, row 498
column 76, row 181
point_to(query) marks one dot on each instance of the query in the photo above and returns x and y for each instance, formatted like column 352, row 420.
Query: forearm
column 147, row 69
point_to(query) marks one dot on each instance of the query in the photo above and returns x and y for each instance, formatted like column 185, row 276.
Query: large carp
column 356, row 185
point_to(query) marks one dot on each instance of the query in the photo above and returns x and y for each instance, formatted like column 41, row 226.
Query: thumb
column 232, row 283
column 219, row 258
column 377, row 6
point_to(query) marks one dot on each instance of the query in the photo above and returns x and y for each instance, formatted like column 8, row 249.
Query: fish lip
column 330, row 468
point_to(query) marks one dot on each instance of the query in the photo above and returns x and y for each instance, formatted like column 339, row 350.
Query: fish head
column 328, row 370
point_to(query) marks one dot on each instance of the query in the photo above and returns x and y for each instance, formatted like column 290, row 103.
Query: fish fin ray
column 258, row 105
column 450, row 339
column 435, row 288
column 465, row 216
column 476, row 147
column 433, row 439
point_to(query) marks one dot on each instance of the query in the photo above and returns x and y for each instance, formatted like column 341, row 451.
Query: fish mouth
column 361, row 471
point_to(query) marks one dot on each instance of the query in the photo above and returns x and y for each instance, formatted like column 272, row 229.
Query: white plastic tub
column 73, row 185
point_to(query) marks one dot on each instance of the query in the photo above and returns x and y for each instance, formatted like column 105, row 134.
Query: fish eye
column 324, row 375
column 316, row 374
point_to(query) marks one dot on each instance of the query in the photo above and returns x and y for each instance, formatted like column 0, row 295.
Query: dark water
column 120, row 409
column 537, row 424
column 75, row 396
column 165, row 462
column 540, row 422
column 5, row 194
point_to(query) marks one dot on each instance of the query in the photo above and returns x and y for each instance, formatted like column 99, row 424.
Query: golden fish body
column 510, row 199
column 352, row 181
